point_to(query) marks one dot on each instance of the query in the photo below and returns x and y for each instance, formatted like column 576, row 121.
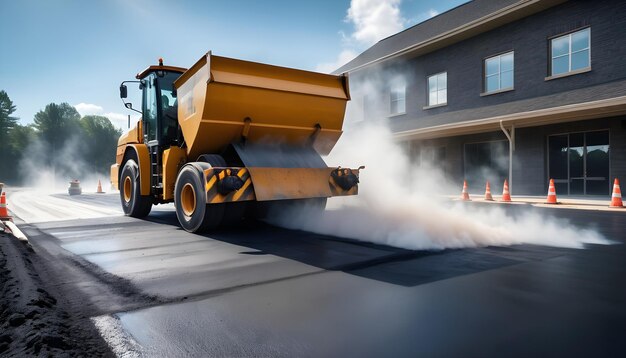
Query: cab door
column 150, row 110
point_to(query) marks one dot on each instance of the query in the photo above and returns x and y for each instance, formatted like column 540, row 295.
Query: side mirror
column 123, row 92
column 128, row 105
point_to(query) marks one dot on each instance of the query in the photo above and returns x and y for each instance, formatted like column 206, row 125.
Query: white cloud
column 344, row 57
column 374, row 20
column 119, row 120
column 87, row 108
column 421, row 17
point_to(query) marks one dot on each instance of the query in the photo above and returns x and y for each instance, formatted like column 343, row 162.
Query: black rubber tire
column 204, row 216
column 234, row 213
column 215, row 160
column 138, row 206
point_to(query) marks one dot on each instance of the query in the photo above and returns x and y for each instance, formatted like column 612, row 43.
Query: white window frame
column 437, row 89
column 570, row 53
column 401, row 98
column 499, row 73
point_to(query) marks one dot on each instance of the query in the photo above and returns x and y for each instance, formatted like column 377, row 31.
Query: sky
column 78, row 51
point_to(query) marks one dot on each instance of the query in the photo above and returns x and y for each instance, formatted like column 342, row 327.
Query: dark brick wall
column 530, row 172
column 528, row 37
column 529, row 158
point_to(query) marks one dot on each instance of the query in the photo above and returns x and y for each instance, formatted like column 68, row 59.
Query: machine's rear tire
column 233, row 212
column 193, row 213
column 215, row 160
column 133, row 203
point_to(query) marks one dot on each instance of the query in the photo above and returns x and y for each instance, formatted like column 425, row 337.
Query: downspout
column 511, row 136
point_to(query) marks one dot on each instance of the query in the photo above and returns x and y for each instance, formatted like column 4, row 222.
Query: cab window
column 150, row 108
column 169, row 107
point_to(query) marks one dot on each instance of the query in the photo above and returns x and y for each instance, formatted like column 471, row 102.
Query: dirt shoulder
column 34, row 319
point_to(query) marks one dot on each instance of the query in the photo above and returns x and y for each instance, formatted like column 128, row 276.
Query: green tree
column 7, row 124
column 100, row 139
column 56, row 123
column 21, row 137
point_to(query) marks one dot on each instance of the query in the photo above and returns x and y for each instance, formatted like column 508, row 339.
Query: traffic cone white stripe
column 551, row 193
column 464, row 193
column 616, row 196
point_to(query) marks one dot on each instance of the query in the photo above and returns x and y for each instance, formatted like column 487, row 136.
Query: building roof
column 607, row 99
column 457, row 24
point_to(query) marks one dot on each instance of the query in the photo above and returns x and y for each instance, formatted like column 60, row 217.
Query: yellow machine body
column 222, row 101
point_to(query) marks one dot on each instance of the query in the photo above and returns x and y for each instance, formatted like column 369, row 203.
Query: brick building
column 520, row 89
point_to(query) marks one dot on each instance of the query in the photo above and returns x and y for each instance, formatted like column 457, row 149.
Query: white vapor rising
column 402, row 206
column 51, row 173
column 344, row 57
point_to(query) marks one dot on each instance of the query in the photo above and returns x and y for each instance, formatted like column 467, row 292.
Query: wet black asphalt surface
column 259, row 290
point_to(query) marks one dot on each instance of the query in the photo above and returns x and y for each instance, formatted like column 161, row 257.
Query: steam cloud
column 403, row 205
column 50, row 173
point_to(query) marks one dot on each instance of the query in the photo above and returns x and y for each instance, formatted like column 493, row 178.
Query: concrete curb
column 15, row 231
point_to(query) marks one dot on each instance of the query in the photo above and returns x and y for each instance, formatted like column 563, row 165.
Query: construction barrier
column 4, row 211
column 488, row 196
column 464, row 193
column 506, row 195
column 551, row 194
column 616, row 197
column 74, row 188
column 99, row 190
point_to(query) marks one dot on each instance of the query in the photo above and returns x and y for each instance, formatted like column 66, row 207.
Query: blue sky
column 79, row 51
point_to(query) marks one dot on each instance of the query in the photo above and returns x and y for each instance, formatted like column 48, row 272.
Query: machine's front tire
column 133, row 203
column 193, row 213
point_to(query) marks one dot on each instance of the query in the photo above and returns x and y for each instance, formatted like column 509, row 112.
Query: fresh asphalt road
column 259, row 290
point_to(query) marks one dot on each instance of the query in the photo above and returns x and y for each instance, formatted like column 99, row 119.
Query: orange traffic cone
column 616, row 198
column 464, row 194
column 551, row 193
column 488, row 196
column 4, row 212
column 99, row 191
column 506, row 196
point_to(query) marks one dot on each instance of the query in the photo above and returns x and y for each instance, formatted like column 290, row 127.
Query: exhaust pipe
column 228, row 183
column 345, row 178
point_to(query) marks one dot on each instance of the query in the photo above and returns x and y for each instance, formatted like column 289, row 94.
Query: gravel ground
column 35, row 318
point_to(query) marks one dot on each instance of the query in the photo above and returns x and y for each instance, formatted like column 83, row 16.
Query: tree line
column 59, row 139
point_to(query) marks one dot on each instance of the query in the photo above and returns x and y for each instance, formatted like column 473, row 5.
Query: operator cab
column 159, row 109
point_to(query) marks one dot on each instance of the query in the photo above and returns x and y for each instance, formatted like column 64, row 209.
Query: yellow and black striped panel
column 213, row 176
column 336, row 190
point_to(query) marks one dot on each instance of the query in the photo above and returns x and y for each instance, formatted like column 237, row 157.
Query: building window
column 499, row 72
column 397, row 100
column 571, row 52
column 438, row 89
